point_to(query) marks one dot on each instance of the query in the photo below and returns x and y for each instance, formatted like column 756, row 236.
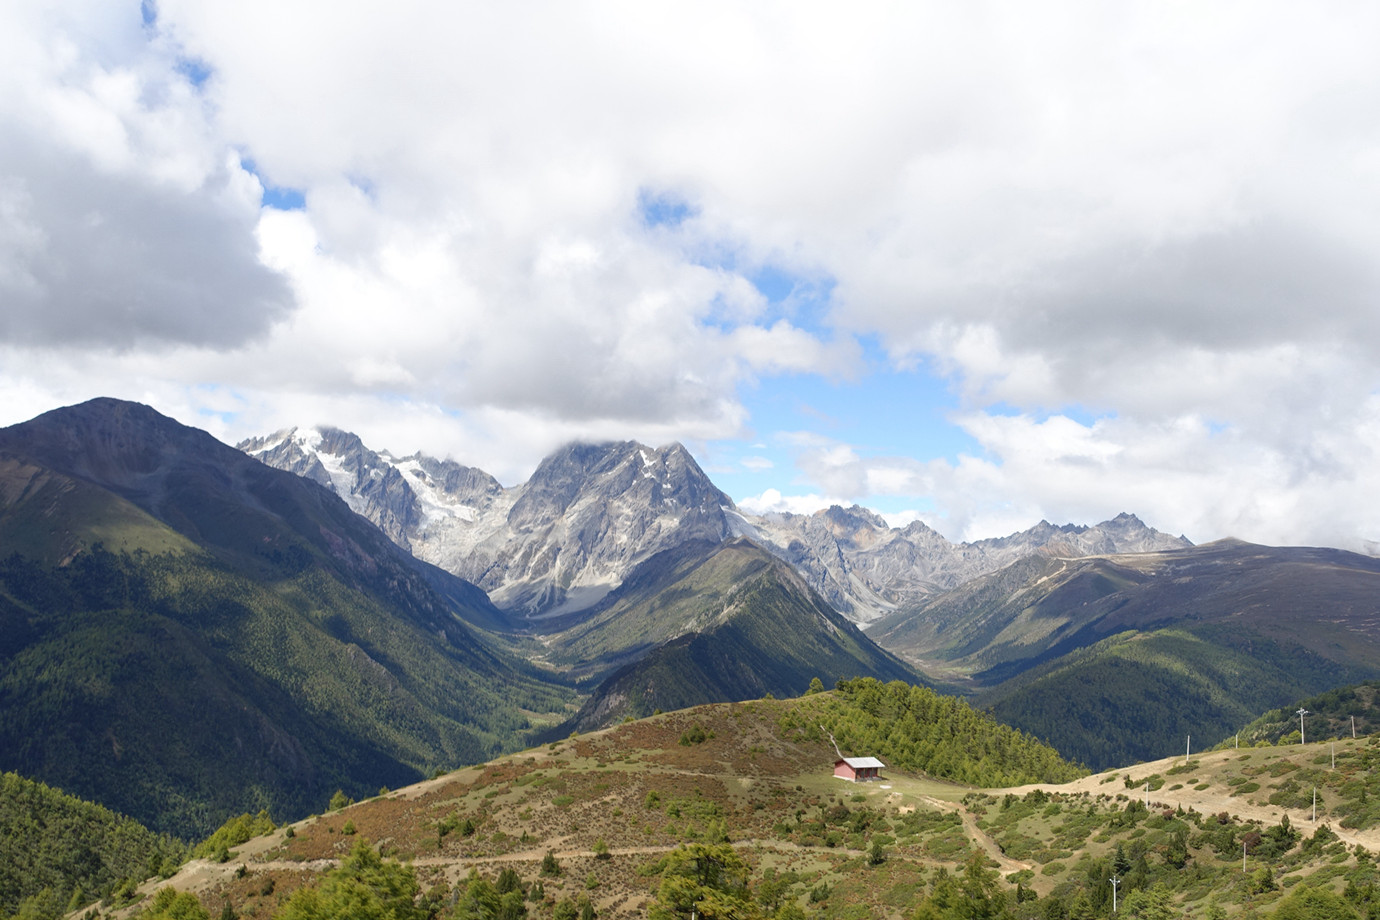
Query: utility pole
column 1238, row 741
column 1302, row 712
column 1147, row 796
column 1188, row 745
column 1315, row 804
column 1334, row 755
column 1115, row 881
column 1243, row 857
column 1353, row 728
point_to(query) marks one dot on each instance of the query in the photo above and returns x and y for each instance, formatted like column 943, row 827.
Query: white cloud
column 126, row 223
column 1183, row 475
column 1160, row 215
column 772, row 501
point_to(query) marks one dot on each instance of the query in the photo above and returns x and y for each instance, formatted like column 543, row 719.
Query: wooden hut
column 858, row 769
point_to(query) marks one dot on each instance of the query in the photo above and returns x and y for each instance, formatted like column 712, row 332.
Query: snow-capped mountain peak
column 590, row 513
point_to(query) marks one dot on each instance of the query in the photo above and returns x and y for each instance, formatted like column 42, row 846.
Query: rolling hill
column 623, row 818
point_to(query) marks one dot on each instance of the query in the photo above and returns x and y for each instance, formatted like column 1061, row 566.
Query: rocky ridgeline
column 590, row 514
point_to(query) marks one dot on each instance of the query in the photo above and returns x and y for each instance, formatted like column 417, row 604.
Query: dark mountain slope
column 253, row 643
column 727, row 623
column 998, row 626
column 250, row 516
column 1141, row 695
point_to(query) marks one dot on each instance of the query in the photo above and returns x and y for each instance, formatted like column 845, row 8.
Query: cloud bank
column 1136, row 242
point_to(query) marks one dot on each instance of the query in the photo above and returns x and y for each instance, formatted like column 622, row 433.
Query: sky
column 979, row 264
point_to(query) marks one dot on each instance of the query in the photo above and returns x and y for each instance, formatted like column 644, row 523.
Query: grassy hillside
column 740, row 625
column 57, row 850
column 733, row 806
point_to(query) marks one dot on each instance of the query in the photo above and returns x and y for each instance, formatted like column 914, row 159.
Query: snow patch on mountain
column 591, row 513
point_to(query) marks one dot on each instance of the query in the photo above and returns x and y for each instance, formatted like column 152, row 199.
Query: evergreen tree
column 1308, row 903
column 364, row 887
column 706, row 880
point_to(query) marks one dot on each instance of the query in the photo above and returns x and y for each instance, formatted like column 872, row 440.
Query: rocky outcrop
column 559, row 542
column 866, row 568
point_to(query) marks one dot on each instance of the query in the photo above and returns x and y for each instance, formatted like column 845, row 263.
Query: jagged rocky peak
column 666, row 479
column 456, row 480
column 559, row 478
column 369, row 482
column 591, row 512
column 587, row 516
column 852, row 520
column 285, row 451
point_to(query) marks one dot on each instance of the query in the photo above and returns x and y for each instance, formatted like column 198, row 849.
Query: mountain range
column 1068, row 632
column 187, row 632
column 1110, row 658
column 589, row 514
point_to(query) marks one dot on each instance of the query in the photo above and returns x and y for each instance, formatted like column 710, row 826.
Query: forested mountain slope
column 1116, row 659
column 186, row 633
column 57, row 850
column 719, row 624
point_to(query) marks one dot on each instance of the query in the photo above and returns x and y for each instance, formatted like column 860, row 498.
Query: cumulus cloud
column 1136, row 241
column 1184, row 475
column 771, row 501
column 123, row 222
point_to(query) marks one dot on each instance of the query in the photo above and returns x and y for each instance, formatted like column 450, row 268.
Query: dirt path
column 1208, row 801
column 978, row 835
column 200, row 875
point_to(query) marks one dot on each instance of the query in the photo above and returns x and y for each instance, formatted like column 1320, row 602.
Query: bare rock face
column 866, row 569
column 559, row 542
column 590, row 513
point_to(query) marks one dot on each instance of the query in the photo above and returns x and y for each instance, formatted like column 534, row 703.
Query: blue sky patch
column 663, row 209
column 278, row 197
column 774, row 283
column 195, row 70
column 884, row 413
